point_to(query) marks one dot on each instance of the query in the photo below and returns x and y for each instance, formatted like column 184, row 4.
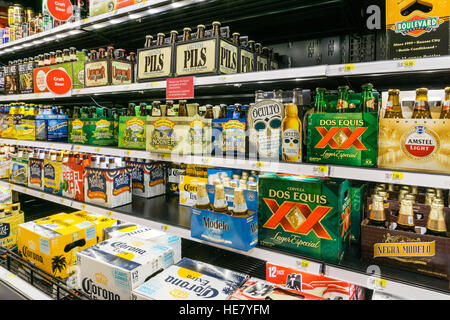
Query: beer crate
column 36, row 173
column 304, row 215
column 97, row 132
column 132, row 132
column 155, row 63
column 417, row 252
column 417, row 29
column 207, row 56
column 239, row 233
column 148, row 178
column 10, row 218
column 108, row 72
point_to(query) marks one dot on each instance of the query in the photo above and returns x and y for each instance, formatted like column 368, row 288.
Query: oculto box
column 190, row 280
column 36, row 173
column 173, row 180
column 19, row 171
column 314, row 285
column 51, row 243
column 347, row 139
column 417, row 252
column 155, row 62
column 53, row 177
column 52, row 128
column 148, row 178
column 10, row 218
column 188, row 189
column 235, row 232
column 132, row 132
column 305, row 215
column 257, row 289
column 73, row 180
column 229, row 137
column 78, row 131
column 111, row 269
column 107, row 187
column 212, row 55
column 179, row 135
column 142, row 232
column 358, row 194
column 417, row 29
column 108, row 72
column 26, row 77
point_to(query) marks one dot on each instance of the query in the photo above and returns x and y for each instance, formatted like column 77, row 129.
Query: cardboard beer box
column 108, row 72
column 415, row 144
column 107, row 187
column 412, row 251
column 358, row 194
column 173, row 179
column 229, row 137
column 101, row 222
column 73, row 180
column 112, row 269
column 314, row 285
column 132, row 132
column 257, row 289
column 53, row 178
column 39, row 75
column 51, row 242
column 5, row 167
column 190, row 280
column 52, row 127
column 19, row 170
column 247, row 58
column 100, row 131
column 8, row 127
column 26, row 77
column 78, row 131
column 156, row 62
column 36, row 173
column 417, row 29
column 148, row 178
column 142, row 232
column 305, row 215
column 12, row 79
column 235, row 232
column 25, row 128
column 10, row 218
column 188, row 189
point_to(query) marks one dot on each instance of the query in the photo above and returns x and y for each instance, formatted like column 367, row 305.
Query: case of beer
column 73, row 175
column 413, row 131
column 190, row 280
column 132, row 129
column 305, row 215
column 408, row 230
column 148, row 178
column 10, row 218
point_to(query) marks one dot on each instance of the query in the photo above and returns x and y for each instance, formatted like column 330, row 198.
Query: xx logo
column 312, row 218
column 352, row 138
column 346, row 219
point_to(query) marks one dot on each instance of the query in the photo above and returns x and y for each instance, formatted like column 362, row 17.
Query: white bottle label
column 291, row 143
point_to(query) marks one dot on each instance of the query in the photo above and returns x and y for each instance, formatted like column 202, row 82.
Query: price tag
column 397, row 175
column 11, row 185
column 303, row 263
column 127, row 86
column 128, row 152
column 166, row 156
column 223, row 78
column 83, row 206
column 154, row 84
column 320, row 171
column 379, row 284
column 43, row 195
column 98, row 149
column 78, row 147
column 409, row 63
column 85, row 20
column 39, row 94
column 165, row 227
column 206, row 160
column 51, row 145
column 11, row 275
column 62, row 200
column 349, row 67
column 25, row 189
column 259, row 164
column 109, row 213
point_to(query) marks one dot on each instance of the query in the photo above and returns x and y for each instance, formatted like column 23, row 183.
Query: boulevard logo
column 417, row 25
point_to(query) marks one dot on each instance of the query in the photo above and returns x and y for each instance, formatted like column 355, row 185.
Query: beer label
column 77, row 134
column 154, row 63
column 446, row 105
column 247, row 61
column 163, row 135
column 417, row 24
column 196, row 131
column 420, row 143
column 291, row 145
column 96, row 73
column 261, row 64
column 389, row 106
column 102, row 130
column 170, row 112
column 233, row 136
column 196, row 57
column 134, row 132
column 406, row 248
column 40, row 80
column 121, row 72
column 96, row 185
column 203, row 200
column 420, row 105
column 240, row 207
column 121, row 181
column 35, row 172
column 228, row 58
column 341, row 104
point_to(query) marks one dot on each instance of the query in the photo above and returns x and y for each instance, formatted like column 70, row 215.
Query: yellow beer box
column 53, row 178
column 10, row 218
column 51, row 243
column 415, row 144
column 188, row 189
column 102, row 222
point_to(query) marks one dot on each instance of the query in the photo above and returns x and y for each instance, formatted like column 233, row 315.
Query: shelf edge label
column 180, row 88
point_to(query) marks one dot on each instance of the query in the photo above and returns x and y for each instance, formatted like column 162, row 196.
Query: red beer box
column 311, row 284
column 73, row 180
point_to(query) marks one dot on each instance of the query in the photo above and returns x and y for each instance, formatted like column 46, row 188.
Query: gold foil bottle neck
column 436, row 219
column 411, row 197
column 240, row 207
column 402, row 194
column 383, row 195
column 377, row 212
column 406, row 214
column 429, row 197
column 220, row 202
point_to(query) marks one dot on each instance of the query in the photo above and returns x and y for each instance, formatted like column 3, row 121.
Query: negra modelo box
column 304, row 215
column 417, row 29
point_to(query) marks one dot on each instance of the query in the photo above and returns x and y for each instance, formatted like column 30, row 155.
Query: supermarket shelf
column 432, row 180
column 20, row 288
column 164, row 213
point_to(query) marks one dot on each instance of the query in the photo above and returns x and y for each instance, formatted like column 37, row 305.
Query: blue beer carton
column 52, row 127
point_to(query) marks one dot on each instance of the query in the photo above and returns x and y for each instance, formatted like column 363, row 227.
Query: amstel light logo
column 420, row 143
column 417, row 24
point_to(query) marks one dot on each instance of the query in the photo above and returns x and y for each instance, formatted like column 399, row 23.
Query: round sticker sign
column 60, row 9
column 58, row 81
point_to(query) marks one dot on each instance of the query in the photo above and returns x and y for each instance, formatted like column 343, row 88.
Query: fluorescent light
column 152, row 11
column 134, row 16
column 38, row 41
column 62, row 35
column 18, row 47
column 8, row 50
column 118, row 20
column 74, row 32
column 177, row 4
column 48, row 39
column 27, row 44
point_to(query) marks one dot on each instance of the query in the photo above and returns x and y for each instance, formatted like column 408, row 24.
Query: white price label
column 304, row 264
column 376, row 283
column 320, row 171
column 394, row 176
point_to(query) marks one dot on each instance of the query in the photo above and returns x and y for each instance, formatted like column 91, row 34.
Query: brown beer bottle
column 236, row 38
column 202, row 197
column 377, row 215
column 436, row 220
column 186, row 34
column 220, row 202
column 393, row 106
column 406, row 216
column 173, row 36
column 200, row 31
column 445, row 112
column 148, row 41
column 239, row 205
column 209, row 112
column 160, row 39
column 170, row 110
column 182, row 109
column 421, row 107
column 216, row 28
column 131, row 110
column 156, row 109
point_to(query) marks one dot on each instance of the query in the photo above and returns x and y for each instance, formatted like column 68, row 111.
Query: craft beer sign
column 60, row 9
column 58, row 81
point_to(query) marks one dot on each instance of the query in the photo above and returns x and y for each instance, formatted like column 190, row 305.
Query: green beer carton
column 305, row 215
column 132, row 132
column 358, row 194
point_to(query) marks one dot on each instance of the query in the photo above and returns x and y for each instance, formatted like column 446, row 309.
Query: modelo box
column 52, row 127
column 10, row 218
column 36, row 173
column 190, row 280
column 148, row 178
column 111, row 269
column 314, row 285
column 412, row 251
column 417, row 29
column 415, row 144
column 188, row 189
column 235, row 232
column 132, row 132
column 304, row 215
column 107, row 187
column 108, row 72
column 155, row 62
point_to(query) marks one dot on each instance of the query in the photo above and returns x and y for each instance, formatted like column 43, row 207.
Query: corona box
column 188, row 189
column 111, row 269
column 304, row 215
column 417, row 29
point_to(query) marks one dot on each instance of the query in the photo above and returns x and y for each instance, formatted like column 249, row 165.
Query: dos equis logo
column 417, row 25
column 420, row 143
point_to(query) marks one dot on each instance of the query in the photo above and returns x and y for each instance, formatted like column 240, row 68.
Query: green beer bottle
column 342, row 103
column 320, row 105
column 367, row 99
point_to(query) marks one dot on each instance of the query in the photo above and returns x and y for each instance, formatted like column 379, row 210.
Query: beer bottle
column 414, row 190
column 170, row 110
column 236, row 38
column 377, row 215
column 148, row 41
column 186, row 34
column 200, row 31
column 105, row 112
column 131, row 110
column 436, row 219
column 393, row 106
column 142, row 109
column 445, row 112
column 215, row 28
column 251, row 45
column 173, row 36
column 110, row 53
column 202, row 197
column 156, row 109
column 421, row 107
column 320, row 105
column 402, row 193
column 429, row 196
column 160, row 39
column 209, row 112
column 367, row 99
column 220, row 202
column 239, row 205
column 342, row 103
column 291, row 128
column 223, row 111
column 101, row 53
column 76, row 113
column 406, row 216
column 237, row 110
column 182, row 109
